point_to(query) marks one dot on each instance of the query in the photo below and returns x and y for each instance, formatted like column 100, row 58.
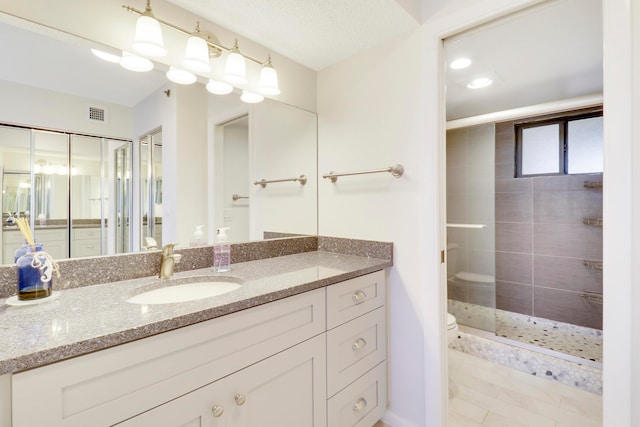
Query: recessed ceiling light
column 460, row 63
column 480, row 83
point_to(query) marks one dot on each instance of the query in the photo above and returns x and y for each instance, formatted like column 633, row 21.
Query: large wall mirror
column 157, row 159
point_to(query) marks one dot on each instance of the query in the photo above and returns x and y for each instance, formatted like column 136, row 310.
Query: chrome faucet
column 169, row 261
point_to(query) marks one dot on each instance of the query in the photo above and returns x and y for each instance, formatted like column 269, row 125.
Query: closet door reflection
column 50, row 189
column 119, row 179
column 151, row 170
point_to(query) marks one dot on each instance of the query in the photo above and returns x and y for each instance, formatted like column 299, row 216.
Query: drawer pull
column 359, row 344
column 359, row 405
column 358, row 297
column 240, row 399
column 217, row 411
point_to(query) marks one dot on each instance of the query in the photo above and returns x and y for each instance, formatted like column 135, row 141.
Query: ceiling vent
column 97, row 114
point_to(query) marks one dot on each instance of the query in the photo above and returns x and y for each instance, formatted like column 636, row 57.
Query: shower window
column 560, row 146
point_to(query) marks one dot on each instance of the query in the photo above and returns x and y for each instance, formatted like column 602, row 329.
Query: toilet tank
column 452, row 259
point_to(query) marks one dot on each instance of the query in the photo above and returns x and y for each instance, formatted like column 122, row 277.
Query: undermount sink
column 187, row 289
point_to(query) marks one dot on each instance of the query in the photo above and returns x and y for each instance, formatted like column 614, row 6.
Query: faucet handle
column 168, row 249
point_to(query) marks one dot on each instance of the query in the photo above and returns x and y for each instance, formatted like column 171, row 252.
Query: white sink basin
column 178, row 291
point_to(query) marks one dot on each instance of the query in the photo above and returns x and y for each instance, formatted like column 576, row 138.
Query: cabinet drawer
column 117, row 383
column 355, row 297
column 361, row 404
column 285, row 390
column 82, row 248
column 354, row 348
column 86, row 233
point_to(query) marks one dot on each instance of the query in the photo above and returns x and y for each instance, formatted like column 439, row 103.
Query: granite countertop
column 81, row 320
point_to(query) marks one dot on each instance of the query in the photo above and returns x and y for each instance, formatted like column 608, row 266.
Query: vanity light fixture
column 460, row 63
column 148, row 40
column 200, row 48
column 179, row 76
column 135, row 63
column 269, row 79
column 251, row 97
column 235, row 69
column 479, row 83
column 219, row 88
column 196, row 55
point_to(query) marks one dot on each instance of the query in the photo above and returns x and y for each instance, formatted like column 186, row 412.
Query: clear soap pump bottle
column 221, row 252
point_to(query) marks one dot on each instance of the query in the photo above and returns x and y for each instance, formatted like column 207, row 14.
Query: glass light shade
column 179, row 76
column 219, row 88
column 196, row 55
column 251, row 97
column 106, row 56
column 235, row 69
column 269, row 80
column 148, row 39
column 135, row 63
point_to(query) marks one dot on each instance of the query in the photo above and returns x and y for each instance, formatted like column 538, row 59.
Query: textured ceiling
column 315, row 33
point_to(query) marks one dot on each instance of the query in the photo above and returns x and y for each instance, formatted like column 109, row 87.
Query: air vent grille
column 96, row 114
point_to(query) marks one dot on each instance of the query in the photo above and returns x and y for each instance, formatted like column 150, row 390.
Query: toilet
column 452, row 328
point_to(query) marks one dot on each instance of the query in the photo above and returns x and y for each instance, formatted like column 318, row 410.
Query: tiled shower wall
column 542, row 243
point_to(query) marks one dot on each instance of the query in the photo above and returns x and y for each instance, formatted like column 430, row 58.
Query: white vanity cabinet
column 357, row 351
column 316, row 359
column 285, row 390
column 113, row 385
column 86, row 242
column 54, row 242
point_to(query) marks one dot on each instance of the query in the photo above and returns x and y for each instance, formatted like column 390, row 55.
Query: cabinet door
column 285, row 390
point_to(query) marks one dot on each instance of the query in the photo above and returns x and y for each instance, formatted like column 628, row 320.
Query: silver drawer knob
column 240, row 399
column 359, row 344
column 359, row 405
column 358, row 297
column 217, row 411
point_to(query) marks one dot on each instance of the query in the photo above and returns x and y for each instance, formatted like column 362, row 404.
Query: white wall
column 283, row 144
column 34, row 107
column 356, row 118
column 370, row 114
column 236, row 180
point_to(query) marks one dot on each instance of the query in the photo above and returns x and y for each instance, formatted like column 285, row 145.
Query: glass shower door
column 471, row 242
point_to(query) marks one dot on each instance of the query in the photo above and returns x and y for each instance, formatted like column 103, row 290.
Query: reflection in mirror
column 151, row 170
column 133, row 105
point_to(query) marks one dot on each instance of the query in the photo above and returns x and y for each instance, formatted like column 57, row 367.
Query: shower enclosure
column 525, row 239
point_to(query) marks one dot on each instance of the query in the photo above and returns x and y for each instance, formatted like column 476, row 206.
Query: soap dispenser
column 221, row 252
column 197, row 236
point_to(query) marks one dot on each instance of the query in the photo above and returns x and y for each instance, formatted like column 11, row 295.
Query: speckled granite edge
column 366, row 248
column 104, row 269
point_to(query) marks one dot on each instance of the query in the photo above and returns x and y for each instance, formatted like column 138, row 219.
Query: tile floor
column 485, row 394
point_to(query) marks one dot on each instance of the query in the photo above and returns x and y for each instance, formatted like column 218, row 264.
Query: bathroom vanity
column 302, row 342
